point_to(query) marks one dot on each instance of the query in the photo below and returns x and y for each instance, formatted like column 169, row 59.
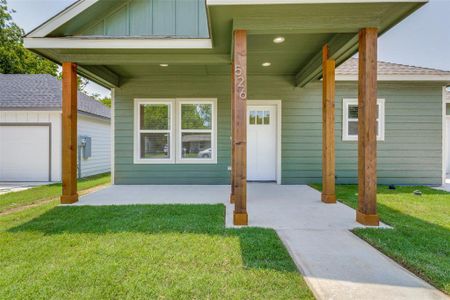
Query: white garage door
column 24, row 153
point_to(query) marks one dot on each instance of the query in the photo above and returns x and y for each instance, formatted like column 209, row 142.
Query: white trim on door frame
column 277, row 103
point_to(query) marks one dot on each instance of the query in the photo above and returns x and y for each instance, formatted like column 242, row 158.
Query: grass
column 420, row 239
column 145, row 251
column 46, row 192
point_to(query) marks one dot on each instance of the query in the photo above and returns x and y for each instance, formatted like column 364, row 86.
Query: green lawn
column 46, row 192
column 160, row 251
column 420, row 239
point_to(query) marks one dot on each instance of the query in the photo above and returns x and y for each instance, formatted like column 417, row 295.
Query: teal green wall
column 182, row 18
column 170, row 87
column 410, row 154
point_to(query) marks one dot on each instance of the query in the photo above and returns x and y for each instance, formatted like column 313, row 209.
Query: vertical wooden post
column 328, row 145
column 367, row 128
column 233, row 154
column 69, row 133
column 239, row 126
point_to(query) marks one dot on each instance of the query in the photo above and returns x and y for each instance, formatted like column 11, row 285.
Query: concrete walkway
column 335, row 263
column 10, row 187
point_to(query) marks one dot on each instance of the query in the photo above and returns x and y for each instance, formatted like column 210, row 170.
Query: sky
column 423, row 39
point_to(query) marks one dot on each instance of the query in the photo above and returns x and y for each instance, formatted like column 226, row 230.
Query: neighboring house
column 30, row 130
column 204, row 87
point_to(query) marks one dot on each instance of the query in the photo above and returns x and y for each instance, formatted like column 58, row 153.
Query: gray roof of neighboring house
column 350, row 67
column 42, row 91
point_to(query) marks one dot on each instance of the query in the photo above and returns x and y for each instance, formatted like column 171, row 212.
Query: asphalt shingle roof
column 350, row 67
column 42, row 91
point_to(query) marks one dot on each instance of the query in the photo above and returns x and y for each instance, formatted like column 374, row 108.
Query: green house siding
column 175, row 18
column 171, row 87
column 410, row 154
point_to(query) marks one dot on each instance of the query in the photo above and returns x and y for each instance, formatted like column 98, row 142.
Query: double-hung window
column 350, row 120
column 196, row 131
column 154, row 131
column 175, row 131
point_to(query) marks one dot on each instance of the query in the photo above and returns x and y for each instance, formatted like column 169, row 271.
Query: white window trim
column 138, row 131
column 213, row 131
column 175, row 131
column 381, row 119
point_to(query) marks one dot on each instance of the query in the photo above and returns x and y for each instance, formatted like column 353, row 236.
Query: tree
column 105, row 100
column 81, row 83
column 14, row 58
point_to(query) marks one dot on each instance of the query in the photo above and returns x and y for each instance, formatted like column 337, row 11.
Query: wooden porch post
column 233, row 154
column 328, row 146
column 239, row 127
column 367, row 128
column 69, row 133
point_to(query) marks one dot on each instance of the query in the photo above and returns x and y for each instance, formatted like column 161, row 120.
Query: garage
column 25, row 152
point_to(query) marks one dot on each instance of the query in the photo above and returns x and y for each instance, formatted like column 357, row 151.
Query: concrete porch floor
column 335, row 263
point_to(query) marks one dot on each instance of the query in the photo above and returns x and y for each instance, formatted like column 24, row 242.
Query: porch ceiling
column 306, row 27
column 285, row 58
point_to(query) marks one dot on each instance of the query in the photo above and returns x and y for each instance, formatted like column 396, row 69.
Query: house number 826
column 240, row 79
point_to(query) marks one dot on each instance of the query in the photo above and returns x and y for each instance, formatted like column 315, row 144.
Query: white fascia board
column 435, row 78
column 269, row 2
column 61, row 18
column 116, row 43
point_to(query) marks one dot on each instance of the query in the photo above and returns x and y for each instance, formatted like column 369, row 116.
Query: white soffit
column 116, row 43
column 268, row 2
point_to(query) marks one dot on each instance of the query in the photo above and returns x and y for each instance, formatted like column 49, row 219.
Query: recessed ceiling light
column 266, row 64
column 278, row 40
column 163, row 65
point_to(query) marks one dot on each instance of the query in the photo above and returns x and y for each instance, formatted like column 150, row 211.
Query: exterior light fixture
column 163, row 65
column 266, row 64
column 278, row 40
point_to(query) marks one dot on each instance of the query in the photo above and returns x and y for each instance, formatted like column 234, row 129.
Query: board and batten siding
column 99, row 131
column 175, row 18
column 410, row 154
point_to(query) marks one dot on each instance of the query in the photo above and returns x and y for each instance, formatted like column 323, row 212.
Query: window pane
column 154, row 116
column 259, row 117
column 252, row 118
column 196, row 116
column 267, row 117
column 353, row 111
column 352, row 128
column 378, row 111
column 155, row 145
column 196, row 145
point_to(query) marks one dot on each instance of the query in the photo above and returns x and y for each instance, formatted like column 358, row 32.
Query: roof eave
column 269, row 2
column 52, row 109
column 398, row 77
column 61, row 18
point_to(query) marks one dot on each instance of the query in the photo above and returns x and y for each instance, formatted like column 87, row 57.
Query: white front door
column 262, row 143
